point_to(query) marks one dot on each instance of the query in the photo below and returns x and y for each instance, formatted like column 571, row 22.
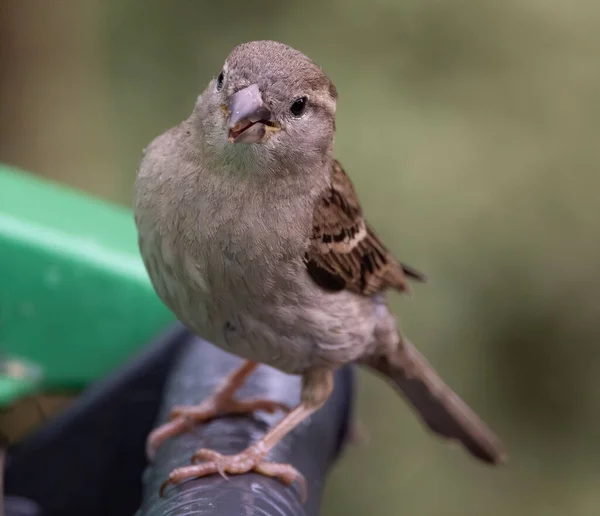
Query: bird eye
column 220, row 79
column 299, row 106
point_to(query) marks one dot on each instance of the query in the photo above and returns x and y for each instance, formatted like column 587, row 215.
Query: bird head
column 269, row 102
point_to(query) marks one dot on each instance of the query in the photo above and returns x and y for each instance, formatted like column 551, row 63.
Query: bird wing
column 344, row 252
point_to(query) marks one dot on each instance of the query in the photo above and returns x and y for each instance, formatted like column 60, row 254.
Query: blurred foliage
column 470, row 129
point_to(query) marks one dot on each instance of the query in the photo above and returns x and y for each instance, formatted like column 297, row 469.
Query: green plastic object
column 18, row 378
column 75, row 299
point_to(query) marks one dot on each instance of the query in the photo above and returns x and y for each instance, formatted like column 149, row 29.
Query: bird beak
column 249, row 120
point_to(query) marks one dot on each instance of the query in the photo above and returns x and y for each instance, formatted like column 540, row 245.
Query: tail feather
column 413, row 273
column 439, row 407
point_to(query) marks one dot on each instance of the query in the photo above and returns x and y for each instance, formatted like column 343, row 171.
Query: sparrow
column 253, row 235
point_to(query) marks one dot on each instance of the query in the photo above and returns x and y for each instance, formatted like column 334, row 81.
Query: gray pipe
column 311, row 448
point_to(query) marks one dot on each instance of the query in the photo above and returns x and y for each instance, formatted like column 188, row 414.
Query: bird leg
column 316, row 388
column 219, row 403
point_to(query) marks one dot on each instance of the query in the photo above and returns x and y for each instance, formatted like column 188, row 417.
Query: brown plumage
column 345, row 252
column 225, row 202
column 439, row 407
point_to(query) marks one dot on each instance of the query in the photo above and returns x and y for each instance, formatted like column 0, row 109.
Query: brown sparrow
column 253, row 235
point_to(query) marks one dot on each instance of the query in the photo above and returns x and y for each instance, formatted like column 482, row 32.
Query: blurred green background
column 470, row 128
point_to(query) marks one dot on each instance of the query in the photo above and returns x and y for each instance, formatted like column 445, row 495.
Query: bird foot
column 207, row 462
column 183, row 418
column 218, row 406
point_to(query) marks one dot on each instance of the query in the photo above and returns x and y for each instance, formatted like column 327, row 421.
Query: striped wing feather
column 345, row 253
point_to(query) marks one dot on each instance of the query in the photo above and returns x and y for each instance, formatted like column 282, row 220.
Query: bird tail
column 439, row 407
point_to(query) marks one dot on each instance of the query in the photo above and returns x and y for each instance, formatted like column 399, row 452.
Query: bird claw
column 183, row 418
column 207, row 462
